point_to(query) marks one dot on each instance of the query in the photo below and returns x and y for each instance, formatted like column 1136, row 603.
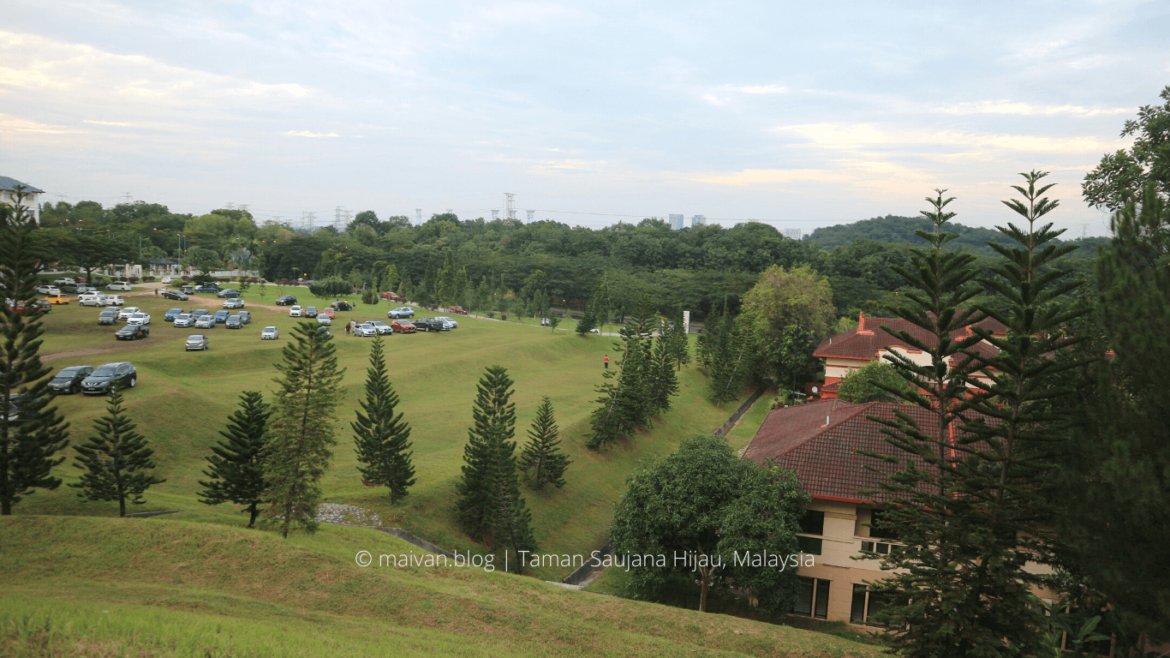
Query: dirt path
column 88, row 351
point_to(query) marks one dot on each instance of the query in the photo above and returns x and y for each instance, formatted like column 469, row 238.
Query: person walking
column 606, row 361
column 346, row 328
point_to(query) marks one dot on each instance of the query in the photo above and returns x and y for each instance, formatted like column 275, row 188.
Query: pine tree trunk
column 122, row 506
column 703, row 593
column 254, row 513
column 287, row 520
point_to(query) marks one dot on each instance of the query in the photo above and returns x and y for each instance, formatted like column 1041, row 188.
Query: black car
column 245, row 317
column 187, row 289
column 341, row 306
column 174, row 294
column 108, row 316
column 311, row 312
column 431, row 324
column 197, row 313
column 228, row 293
column 172, row 314
column 210, row 287
column 287, row 300
column 132, row 332
column 69, row 288
column 234, row 322
column 120, row 374
column 69, row 379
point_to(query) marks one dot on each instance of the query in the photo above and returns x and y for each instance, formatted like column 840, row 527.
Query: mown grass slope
column 165, row 587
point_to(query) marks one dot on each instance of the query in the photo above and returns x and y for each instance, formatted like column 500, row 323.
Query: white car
column 114, row 300
column 325, row 320
column 454, row 324
column 167, row 279
column 63, row 282
column 139, row 318
column 48, row 290
column 365, row 330
column 269, row 333
column 119, row 285
column 296, row 312
column 382, row 328
column 125, row 313
column 92, row 299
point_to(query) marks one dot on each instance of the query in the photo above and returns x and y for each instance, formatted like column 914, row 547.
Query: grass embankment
column 183, row 399
column 155, row 587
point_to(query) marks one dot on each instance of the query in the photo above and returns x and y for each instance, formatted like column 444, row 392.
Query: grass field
column 153, row 587
column 183, row 399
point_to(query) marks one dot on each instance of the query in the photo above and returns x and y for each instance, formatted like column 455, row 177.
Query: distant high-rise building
column 418, row 215
column 793, row 233
column 698, row 220
column 676, row 222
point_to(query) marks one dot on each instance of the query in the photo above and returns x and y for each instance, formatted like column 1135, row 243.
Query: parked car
column 205, row 322
column 64, row 280
column 132, row 332
column 228, row 293
column 68, row 380
column 196, row 342
column 382, row 327
column 365, row 330
column 167, row 279
column 234, row 302
column 400, row 312
column 139, row 318
column 170, row 315
column 286, row 300
column 199, row 312
column 269, row 333
column 120, row 286
column 108, row 316
column 324, row 331
column 91, row 299
column 324, row 319
column 233, row 323
column 454, row 324
column 403, row 326
column 115, row 300
column 295, row 312
column 341, row 306
column 390, row 296
column 184, row 320
column 57, row 299
column 125, row 313
column 120, row 374
column 187, row 289
column 221, row 316
column 46, row 289
column 245, row 317
column 207, row 287
column 174, row 294
column 310, row 311
column 70, row 288
column 82, row 290
column 328, row 312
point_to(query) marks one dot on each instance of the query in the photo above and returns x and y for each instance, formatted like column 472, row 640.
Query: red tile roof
column 825, row 457
column 864, row 342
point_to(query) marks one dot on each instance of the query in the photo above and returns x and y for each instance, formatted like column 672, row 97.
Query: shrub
column 369, row 297
column 332, row 286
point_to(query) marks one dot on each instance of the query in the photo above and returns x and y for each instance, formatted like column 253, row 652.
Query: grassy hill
column 183, row 399
column 164, row 587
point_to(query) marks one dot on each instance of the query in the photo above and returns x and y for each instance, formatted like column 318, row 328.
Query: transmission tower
column 495, row 215
column 128, row 196
column 337, row 218
column 312, row 218
column 510, row 205
column 244, row 208
column 231, row 205
column 530, row 214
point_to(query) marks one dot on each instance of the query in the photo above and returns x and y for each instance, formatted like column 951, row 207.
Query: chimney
column 861, row 321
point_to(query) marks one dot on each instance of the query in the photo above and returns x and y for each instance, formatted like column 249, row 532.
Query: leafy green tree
column 389, row 278
column 235, row 474
column 1125, row 174
column 33, row 432
column 782, row 299
column 406, row 290
column 381, row 438
column 542, row 461
column 300, row 436
column 483, row 295
column 1115, row 475
column 117, row 463
column 490, row 506
column 445, row 292
column 705, row 501
column 872, row 383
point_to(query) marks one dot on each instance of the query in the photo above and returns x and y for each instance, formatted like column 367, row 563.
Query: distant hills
column 893, row 228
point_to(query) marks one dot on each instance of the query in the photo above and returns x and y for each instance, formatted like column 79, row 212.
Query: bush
column 871, row 383
column 147, row 279
column 133, row 279
column 332, row 286
column 369, row 297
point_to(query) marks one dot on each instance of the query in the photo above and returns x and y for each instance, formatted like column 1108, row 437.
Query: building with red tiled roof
column 847, row 352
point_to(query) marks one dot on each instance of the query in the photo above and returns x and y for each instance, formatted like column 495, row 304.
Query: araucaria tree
column 490, row 506
column 542, row 461
column 623, row 394
column 705, row 503
column 31, row 431
column 235, row 474
column 971, row 503
column 117, row 463
column 382, row 437
column 300, row 436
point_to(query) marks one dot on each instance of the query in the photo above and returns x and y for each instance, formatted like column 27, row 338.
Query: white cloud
column 1028, row 109
column 306, row 133
column 862, row 137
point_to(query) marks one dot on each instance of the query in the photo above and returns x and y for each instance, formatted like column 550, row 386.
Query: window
column 880, row 526
column 812, row 597
column 865, row 606
column 881, row 548
column 810, row 545
column 813, row 523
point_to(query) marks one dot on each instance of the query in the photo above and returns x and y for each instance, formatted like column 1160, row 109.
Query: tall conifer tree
column 542, row 460
column 236, row 474
column 382, row 438
column 36, row 432
column 300, row 439
column 117, row 462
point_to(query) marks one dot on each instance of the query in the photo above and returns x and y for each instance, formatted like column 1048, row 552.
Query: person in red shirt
column 606, row 361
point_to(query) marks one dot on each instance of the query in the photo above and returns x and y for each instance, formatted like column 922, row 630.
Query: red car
column 327, row 313
column 391, row 296
column 403, row 327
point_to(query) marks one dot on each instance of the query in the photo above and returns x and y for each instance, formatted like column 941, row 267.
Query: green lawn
column 165, row 587
column 182, row 400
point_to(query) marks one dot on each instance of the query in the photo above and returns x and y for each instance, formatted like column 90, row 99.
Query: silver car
column 197, row 342
column 139, row 318
column 454, row 324
column 184, row 320
column 365, row 330
column 382, row 328
column 234, row 302
column 269, row 333
column 205, row 322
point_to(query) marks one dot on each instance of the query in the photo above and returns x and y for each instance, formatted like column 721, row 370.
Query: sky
column 799, row 114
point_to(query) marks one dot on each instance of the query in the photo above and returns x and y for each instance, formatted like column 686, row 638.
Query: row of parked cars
column 94, row 381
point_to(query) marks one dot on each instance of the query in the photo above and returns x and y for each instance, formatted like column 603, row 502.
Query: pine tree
column 662, row 365
column 117, row 462
column 235, row 473
column 490, row 506
column 445, row 286
column 406, row 290
column 727, row 350
column 29, row 442
column 301, row 433
column 679, row 342
column 542, row 461
column 622, row 404
column 587, row 322
column 483, row 296
column 381, row 438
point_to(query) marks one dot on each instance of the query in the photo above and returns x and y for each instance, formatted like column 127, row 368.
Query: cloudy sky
column 804, row 114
